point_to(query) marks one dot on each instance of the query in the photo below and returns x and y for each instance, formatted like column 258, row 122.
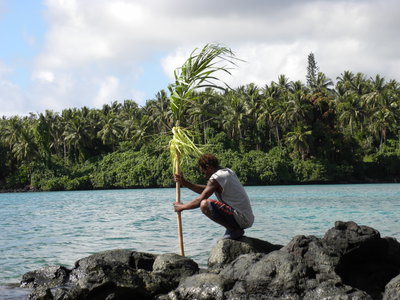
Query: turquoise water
column 58, row 228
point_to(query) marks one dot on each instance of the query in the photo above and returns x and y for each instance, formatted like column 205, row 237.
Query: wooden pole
column 178, row 199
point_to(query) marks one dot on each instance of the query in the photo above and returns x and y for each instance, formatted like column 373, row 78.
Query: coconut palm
column 11, row 131
column 234, row 115
column 141, row 129
column 300, row 139
column 284, row 84
column 350, row 110
column 266, row 118
column 377, row 89
column 18, row 135
column 299, row 108
column 203, row 111
column 25, row 150
column 323, row 84
column 345, row 80
column 160, row 112
column 78, row 134
column 43, row 131
column 359, row 84
column 110, row 132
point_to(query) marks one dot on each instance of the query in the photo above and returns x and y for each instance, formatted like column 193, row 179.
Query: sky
column 58, row 54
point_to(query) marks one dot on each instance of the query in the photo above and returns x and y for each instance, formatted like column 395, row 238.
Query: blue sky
column 22, row 29
column 57, row 54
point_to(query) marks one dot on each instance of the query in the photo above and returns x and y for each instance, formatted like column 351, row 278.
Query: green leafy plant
column 198, row 71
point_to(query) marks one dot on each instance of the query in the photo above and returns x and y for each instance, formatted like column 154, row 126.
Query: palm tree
column 345, row 80
column 283, row 113
column 284, row 84
column 110, row 132
column 359, row 84
column 380, row 125
column 234, row 115
column 47, row 132
column 25, row 149
column 11, row 131
column 114, row 108
column 272, row 91
column 266, row 118
column 141, row 129
column 350, row 111
column 159, row 112
column 300, row 139
column 377, row 89
column 78, row 134
column 128, row 109
column 18, row 135
column 298, row 86
column 323, row 84
column 203, row 111
column 298, row 107
column 252, row 97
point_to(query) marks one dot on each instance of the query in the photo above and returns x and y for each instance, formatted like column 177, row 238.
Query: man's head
column 208, row 162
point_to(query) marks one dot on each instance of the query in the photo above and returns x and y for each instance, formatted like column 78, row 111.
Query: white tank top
column 234, row 195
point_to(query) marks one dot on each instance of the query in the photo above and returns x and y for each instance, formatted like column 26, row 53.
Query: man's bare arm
column 209, row 189
column 197, row 188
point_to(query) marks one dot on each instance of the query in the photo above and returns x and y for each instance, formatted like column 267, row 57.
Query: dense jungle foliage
column 282, row 133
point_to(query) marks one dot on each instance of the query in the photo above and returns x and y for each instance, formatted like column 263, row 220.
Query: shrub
column 311, row 170
column 274, row 167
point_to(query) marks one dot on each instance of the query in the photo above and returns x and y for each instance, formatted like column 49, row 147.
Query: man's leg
column 222, row 214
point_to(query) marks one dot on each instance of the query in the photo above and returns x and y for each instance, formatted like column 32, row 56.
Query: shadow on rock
column 367, row 261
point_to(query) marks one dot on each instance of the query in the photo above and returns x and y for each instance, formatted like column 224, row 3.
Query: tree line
column 285, row 132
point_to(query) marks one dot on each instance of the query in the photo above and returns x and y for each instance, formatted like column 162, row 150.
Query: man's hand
column 179, row 178
column 178, row 207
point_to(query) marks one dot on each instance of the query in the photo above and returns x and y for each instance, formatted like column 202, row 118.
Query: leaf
column 198, row 72
column 182, row 145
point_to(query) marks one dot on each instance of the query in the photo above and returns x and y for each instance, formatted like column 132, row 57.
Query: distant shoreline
column 29, row 189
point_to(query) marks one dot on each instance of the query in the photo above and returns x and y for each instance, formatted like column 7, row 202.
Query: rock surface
column 226, row 251
column 349, row 262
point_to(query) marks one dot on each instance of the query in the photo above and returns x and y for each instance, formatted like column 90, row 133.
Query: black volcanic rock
column 226, row 250
column 349, row 262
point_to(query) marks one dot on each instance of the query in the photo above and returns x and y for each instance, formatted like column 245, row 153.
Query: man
column 232, row 209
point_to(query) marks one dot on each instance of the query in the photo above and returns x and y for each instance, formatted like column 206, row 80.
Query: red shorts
column 224, row 212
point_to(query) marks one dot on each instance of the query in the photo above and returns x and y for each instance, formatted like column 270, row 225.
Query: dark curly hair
column 207, row 160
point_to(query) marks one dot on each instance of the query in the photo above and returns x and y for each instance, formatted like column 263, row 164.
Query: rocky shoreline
column 349, row 262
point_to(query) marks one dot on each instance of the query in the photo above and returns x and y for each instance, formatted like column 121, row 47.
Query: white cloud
column 95, row 50
column 259, row 63
column 175, row 60
column 264, row 63
column 11, row 96
column 11, row 99
column 108, row 88
column 4, row 70
column 44, row 76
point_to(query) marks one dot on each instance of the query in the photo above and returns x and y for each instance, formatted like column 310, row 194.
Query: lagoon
column 58, row 228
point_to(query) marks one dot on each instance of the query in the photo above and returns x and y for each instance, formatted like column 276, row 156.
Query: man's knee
column 204, row 206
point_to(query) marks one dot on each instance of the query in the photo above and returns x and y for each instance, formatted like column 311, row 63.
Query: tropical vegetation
column 285, row 132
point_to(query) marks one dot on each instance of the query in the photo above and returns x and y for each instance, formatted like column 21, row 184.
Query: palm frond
column 199, row 72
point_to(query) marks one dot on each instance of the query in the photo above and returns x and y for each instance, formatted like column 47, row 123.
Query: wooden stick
column 178, row 199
